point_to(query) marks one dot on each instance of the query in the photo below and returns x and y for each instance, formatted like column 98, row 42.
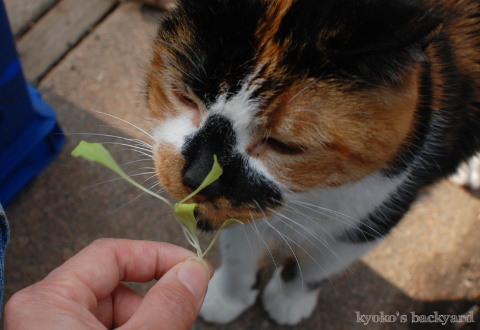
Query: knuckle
column 15, row 306
column 102, row 242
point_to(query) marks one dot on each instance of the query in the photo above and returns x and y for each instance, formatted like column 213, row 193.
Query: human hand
column 86, row 291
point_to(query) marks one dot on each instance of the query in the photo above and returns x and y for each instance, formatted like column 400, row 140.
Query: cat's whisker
column 329, row 213
column 313, row 220
column 138, row 161
column 161, row 190
column 136, row 149
column 136, row 141
column 247, row 238
column 137, row 145
column 315, row 235
column 140, row 153
column 134, row 199
column 143, row 168
column 343, row 217
column 133, row 147
column 151, row 173
column 284, row 238
column 149, row 178
column 328, row 217
column 125, row 121
column 114, row 179
column 124, row 129
column 132, row 150
column 325, row 215
column 156, row 184
column 254, row 226
column 308, row 230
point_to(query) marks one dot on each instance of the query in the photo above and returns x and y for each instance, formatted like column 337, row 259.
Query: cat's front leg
column 230, row 291
column 291, row 295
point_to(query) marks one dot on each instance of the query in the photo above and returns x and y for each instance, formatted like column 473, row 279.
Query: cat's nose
column 193, row 178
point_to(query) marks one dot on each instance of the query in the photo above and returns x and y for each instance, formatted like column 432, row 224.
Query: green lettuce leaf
column 96, row 152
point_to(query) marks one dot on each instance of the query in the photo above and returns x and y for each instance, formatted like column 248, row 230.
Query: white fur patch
column 287, row 306
column 468, row 174
column 173, row 131
column 219, row 306
column 241, row 110
column 333, row 210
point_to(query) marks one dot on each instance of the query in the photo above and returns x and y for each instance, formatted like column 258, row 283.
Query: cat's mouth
column 204, row 226
column 202, row 223
column 212, row 214
column 207, row 225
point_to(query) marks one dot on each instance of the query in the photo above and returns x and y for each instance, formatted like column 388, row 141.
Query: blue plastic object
column 30, row 137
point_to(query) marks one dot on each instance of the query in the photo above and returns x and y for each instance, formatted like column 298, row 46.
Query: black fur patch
column 415, row 140
column 372, row 41
column 239, row 183
column 447, row 137
column 222, row 45
column 290, row 270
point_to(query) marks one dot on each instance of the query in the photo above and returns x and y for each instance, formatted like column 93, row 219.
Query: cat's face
column 290, row 95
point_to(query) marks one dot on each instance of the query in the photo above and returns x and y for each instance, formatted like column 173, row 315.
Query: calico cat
column 327, row 116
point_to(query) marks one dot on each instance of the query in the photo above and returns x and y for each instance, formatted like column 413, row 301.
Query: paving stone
column 22, row 13
column 57, row 32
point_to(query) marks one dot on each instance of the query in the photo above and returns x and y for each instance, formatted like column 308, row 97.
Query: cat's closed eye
column 184, row 99
column 283, row 148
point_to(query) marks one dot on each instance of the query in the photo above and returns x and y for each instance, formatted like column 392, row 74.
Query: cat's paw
column 221, row 307
column 287, row 306
column 468, row 174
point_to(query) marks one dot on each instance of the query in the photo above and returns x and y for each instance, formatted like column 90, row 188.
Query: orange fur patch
column 269, row 50
column 345, row 135
column 169, row 163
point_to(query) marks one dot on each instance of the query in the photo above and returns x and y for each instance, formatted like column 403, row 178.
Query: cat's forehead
column 214, row 45
column 219, row 45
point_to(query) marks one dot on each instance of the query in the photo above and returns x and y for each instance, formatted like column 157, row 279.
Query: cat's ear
column 386, row 38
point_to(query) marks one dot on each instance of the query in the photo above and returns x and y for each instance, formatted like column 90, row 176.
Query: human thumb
column 175, row 300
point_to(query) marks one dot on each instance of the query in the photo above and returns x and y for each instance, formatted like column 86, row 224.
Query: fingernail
column 210, row 266
column 194, row 274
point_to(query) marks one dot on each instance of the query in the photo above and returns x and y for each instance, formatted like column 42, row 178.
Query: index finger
column 95, row 271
